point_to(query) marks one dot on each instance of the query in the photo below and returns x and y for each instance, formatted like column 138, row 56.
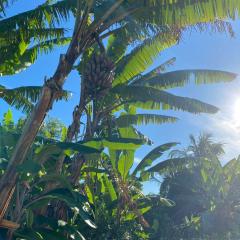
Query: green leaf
column 152, row 156
column 125, row 163
column 139, row 59
column 167, row 202
column 22, row 47
column 8, row 119
column 29, row 218
column 72, row 199
column 128, row 119
column 150, row 98
column 172, row 164
column 204, row 175
column 51, row 234
column 24, row 97
column 180, row 78
column 77, row 147
column 109, row 188
column 114, row 143
column 56, row 178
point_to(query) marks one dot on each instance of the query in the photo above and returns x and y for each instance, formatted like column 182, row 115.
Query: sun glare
column 236, row 113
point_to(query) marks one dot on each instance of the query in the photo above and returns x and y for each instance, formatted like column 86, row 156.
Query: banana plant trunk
column 52, row 88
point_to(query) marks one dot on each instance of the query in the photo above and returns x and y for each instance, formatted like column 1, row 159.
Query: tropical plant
column 34, row 174
column 206, row 207
column 24, row 98
column 148, row 23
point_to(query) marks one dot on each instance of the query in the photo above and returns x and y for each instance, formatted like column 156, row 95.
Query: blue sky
column 195, row 51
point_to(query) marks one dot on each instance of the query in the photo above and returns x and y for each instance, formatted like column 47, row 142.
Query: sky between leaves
column 195, row 51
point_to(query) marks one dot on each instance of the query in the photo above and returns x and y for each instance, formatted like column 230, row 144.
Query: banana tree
column 138, row 20
column 110, row 103
column 114, row 188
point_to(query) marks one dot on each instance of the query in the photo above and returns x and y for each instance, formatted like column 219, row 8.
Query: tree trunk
column 52, row 88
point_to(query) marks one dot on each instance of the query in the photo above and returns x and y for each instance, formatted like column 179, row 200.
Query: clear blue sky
column 195, row 51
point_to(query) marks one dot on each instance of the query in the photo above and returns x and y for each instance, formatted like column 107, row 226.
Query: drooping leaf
column 138, row 60
column 173, row 164
column 114, row 143
column 150, row 98
column 180, row 78
column 152, row 156
column 136, row 119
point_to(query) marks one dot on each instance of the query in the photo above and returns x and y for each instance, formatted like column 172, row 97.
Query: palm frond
column 138, row 119
column 180, row 78
column 150, row 98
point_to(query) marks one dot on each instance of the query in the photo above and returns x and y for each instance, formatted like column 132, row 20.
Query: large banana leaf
column 140, row 58
column 114, row 143
column 181, row 77
column 171, row 165
column 42, row 15
column 14, row 61
column 152, row 156
column 137, row 119
column 24, row 97
column 125, row 162
column 150, row 98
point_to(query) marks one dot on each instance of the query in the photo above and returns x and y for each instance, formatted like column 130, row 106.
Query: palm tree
column 138, row 20
column 204, row 146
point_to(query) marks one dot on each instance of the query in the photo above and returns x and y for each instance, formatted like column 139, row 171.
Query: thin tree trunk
column 52, row 88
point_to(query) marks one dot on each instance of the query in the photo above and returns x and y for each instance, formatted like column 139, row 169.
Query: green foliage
column 201, row 189
column 23, row 98
column 151, row 98
column 152, row 156
column 127, row 120
column 181, row 77
column 96, row 194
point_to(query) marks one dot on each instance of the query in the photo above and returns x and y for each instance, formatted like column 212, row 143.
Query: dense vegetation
column 80, row 182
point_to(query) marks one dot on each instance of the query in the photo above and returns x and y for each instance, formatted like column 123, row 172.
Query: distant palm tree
column 204, row 146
